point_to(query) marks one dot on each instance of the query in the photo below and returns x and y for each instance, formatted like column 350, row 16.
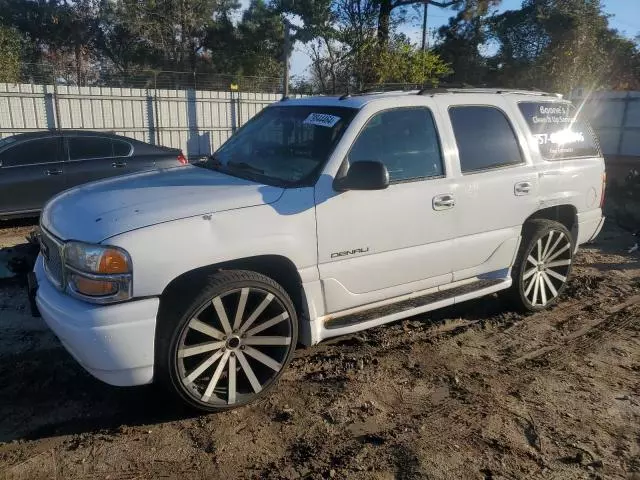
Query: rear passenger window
column 485, row 138
column 121, row 148
column 560, row 132
column 85, row 148
column 405, row 140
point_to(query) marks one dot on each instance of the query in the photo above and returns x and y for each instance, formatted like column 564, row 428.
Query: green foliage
column 405, row 63
column 260, row 41
column 459, row 46
column 553, row 45
column 560, row 45
column 10, row 47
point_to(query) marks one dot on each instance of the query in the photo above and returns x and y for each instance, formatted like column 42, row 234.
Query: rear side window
column 560, row 132
column 85, row 148
column 45, row 150
column 121, row 148
column 405, row 140
column 485, row 138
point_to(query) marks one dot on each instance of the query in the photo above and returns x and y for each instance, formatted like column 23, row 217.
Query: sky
column 625, row 18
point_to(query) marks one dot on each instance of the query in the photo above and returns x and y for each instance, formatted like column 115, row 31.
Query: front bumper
column 114, row 343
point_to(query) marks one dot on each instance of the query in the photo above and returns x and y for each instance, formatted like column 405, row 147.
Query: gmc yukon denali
column 322, row 216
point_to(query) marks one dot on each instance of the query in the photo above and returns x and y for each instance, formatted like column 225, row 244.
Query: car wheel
column 232, row 342
column 543, row 265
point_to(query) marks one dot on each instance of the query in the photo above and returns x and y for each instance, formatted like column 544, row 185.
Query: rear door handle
column 53, row 171
column 522, row 188
column 444, row 202
column 119, row 164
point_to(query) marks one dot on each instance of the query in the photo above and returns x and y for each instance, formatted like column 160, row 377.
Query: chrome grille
column 51, row 251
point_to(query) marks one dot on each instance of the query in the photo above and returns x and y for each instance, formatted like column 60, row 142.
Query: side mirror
column 363, row 175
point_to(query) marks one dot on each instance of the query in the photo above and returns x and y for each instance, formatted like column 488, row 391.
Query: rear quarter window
column 561, row 132
column 121, row 148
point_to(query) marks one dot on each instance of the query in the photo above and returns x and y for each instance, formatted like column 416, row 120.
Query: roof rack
column 467, row 89
column 380, row 89
column 368, row 92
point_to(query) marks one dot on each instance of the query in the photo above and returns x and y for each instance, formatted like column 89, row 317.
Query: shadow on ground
column 46, row 393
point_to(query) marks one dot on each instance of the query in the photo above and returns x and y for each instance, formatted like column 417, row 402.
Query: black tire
column 524, row 272
column 179, row 331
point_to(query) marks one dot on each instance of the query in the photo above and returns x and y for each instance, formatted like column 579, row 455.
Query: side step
column 415, row 303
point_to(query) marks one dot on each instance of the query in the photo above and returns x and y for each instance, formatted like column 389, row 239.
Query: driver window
column 405, row 140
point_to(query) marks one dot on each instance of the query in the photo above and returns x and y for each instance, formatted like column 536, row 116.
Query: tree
column 459, row 45
column 470, row 7
column 174, row 29
column 559, row 45
column 406, row 63
column 261, row 41
column 10, row 47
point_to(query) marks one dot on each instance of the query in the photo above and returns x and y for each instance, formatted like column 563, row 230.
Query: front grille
column 51, row 251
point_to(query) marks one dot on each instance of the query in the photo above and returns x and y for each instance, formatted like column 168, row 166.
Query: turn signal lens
column 113, row 261
column 92, row 288
column 97, row 259
column 182, row 159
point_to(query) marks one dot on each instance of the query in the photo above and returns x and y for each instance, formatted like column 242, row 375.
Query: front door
column 31, row 172
column 375, row 245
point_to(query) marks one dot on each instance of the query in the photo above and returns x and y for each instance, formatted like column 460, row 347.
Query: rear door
column 91, row 158
column 133, row 156
column 497, row 188
column 31, row 172
column 147, row 157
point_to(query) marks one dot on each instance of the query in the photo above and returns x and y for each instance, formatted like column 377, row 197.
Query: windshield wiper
column 245, row 166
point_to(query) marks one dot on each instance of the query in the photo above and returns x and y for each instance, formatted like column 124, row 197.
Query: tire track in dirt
column 620, row 319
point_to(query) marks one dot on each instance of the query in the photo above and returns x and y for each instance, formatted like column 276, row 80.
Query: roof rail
column 431, row 91
column 367, row 92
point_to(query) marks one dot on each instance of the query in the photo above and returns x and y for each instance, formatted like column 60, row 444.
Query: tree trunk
column 384, row 22
column 78, row 55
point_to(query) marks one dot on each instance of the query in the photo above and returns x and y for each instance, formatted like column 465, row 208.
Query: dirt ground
column 469, row 392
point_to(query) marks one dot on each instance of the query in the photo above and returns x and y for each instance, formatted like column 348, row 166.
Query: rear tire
column 542, row 266
column 227, row 344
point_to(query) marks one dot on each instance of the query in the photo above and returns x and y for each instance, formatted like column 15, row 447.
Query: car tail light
column 182, row 159
column 604, row 188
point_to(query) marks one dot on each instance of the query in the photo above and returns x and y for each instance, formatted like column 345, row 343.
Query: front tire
column 543, row 265
column 231, row 342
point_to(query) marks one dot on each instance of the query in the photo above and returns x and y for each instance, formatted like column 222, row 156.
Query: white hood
column 99, row 210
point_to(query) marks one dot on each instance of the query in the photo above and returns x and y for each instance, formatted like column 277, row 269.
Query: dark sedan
column 36, row 166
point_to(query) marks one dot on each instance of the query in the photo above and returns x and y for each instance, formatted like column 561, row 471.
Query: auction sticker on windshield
column 321, row 119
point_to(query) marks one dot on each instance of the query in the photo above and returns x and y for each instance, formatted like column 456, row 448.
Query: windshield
column 287, row 146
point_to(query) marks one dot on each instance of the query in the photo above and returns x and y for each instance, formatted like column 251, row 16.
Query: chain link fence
column 195, row 112
column 70, row 75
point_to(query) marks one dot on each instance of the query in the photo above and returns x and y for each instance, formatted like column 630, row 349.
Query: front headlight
column 97, row 273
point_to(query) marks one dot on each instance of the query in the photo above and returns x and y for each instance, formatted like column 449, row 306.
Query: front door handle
column 53, row 171
column 119, row 164
column 444, row 202
column 522, row 188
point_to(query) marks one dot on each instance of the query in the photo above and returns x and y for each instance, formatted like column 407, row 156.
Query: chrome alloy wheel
column 546, row 269
column 234, row 346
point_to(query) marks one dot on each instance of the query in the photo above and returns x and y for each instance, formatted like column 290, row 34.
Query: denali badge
column 350, row 252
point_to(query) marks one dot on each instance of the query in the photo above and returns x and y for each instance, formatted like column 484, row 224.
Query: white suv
column 320, row 217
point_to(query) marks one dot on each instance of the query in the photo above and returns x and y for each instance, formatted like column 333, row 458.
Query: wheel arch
column 277, row 267
column 566, row 214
